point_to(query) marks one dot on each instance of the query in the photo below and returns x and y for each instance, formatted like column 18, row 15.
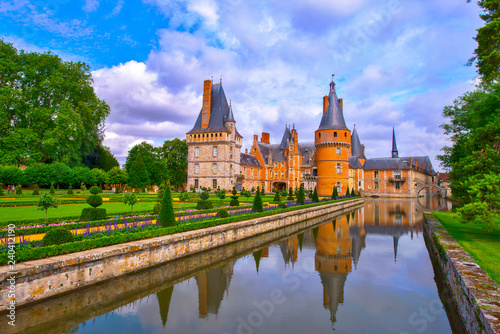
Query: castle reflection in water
column 338, row 246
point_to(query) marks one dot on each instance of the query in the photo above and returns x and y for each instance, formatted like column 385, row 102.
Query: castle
column 336, row 158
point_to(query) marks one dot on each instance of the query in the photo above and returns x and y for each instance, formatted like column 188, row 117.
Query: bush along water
column 57, row 236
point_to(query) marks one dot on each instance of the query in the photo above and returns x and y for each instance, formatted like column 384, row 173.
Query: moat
column 367, row 270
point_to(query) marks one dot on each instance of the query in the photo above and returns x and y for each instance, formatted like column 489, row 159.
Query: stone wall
column 41, row 279
column 475, row 296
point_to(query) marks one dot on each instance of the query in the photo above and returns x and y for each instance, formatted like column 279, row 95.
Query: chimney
column 341, row 102
column 207, row 98
column 255, row 138
column 246, row 151
column 325, row 103
column 410, row 162
column 265, row 138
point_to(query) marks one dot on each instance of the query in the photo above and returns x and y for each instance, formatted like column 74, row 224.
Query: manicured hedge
column 122, row 237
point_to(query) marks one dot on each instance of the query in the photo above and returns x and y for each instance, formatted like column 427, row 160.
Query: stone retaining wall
column 476, row 297
column 40, row 279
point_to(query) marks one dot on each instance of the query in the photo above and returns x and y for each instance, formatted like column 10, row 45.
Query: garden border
column 476, row 297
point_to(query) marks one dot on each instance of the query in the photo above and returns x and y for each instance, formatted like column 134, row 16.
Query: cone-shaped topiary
column 166, row 217
column 36, row 191
column 315, row 197
column 19, row 190
column 335, row 193
column 52, row 191
column 57, row 236
column 277, row 197
column 70, row 190
column 290, row 194
column 234, row 198
column 347, row 192
column 257, row 202
column 353, row 194
column 301, row 196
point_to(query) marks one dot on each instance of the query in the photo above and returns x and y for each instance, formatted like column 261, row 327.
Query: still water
column 365, row 271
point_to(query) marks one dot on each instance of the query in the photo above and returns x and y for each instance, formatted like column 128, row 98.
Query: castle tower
column 333, row 146
column 214, row 142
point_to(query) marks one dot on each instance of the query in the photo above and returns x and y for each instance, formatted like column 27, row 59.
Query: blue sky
column 396, row 62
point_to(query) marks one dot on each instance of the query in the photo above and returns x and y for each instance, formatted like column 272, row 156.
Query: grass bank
column 482, row 245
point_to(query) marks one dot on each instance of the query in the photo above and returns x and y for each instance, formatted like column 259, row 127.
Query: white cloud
column 90, row 5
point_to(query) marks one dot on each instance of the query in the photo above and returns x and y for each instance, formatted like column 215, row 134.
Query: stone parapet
column 475, row 296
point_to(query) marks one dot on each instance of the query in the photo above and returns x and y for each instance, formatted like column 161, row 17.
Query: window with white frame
column 282, row 175
column 196, row 183
column 339, row 168
column 397, row 186
column 397, row 175
column 197, row 168
column 339, row 150
column 376, row 186
column 339, row 187
column 196, row 152
column 214, row 184
column 375, row 174
column 214, row 168
column 215, row 151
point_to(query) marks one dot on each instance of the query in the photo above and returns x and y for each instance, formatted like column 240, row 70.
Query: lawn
column 482, row 245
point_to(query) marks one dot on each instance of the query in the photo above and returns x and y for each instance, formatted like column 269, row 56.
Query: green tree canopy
column 49, row 112
column 157, row 171
column 41, row 174
column 175, row 154
column 138, row 176
column 116, row 176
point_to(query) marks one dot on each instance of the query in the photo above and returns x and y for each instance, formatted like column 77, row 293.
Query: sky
column 397, row 63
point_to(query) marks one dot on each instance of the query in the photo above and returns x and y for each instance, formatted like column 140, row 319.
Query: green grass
column 482, row 245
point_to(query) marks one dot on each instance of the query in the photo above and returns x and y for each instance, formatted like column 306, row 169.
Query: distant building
column 443, row 182
column 336, row 158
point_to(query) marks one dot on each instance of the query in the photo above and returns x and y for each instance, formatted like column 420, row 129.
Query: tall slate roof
column 385, row 163
column 249, row 160
column 220, row 111
column 354, row 162
column 356, row 147
column 333, row 117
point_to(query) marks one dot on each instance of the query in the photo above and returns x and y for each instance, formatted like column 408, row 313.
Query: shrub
column 95, row 190
column 347, row 192
column 118, row 190
column 257, row 202
column 1, row 189
column 19, row 190
column 282, row 205
column 234, row 198
column 301, row 196
column 315, row 197
column 204, row 205
column 57, row 236
column 222, row 213
column 93, row 214
column 204, row 196
column 334, row 193
column 290, row 194
column 52, row 190
column 166, row 217
column 277, row 197
column 156, row 208
column 70, row 190
column 36, row 191
column 94, row 200
column 353, row 194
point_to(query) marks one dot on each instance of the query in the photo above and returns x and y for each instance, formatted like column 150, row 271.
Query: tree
column 99, row 176
column 277, row 197
column 315, row 197
column 220, row 193
column 131, row 200
column 175, row 153
column 290, row 194
column 101, row 158
column 347, row 192
column 155, row 166
column 116, row 176
column 234, row 198
column 52, row 190
column 50, row 112
column 63, row 174
column 257, row 202
column 487, row 53
column 301, row 197
column 41, row 174
column 167, row 216
column 138, row 176
column 45, row 202
column 335, row 193
column 353, row 194
column 83, row 175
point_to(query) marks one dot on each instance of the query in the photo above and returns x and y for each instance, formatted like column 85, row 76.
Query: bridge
column 421, row 185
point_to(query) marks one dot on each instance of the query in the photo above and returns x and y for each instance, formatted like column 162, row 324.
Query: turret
column 394, row 152
column 333, row 148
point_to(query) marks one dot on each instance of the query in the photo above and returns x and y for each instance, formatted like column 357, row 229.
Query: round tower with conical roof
column 333, row 147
